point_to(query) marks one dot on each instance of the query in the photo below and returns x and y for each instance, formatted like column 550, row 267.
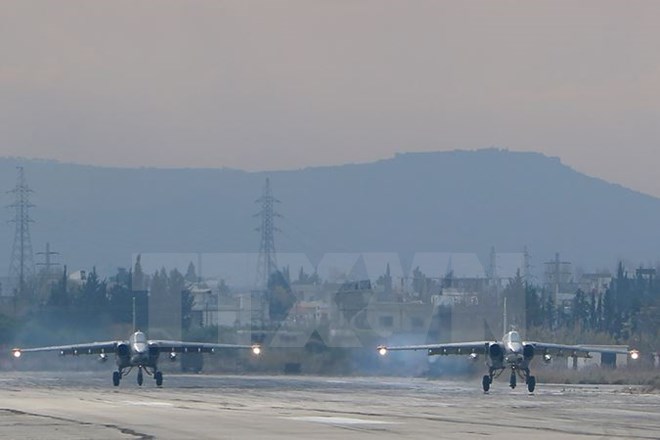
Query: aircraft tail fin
column 505, row 324
column 488, row 333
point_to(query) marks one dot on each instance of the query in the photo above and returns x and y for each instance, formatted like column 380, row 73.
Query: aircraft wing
column 573, row 350
column 200, row 347
column 476, row 347
column 74, row 349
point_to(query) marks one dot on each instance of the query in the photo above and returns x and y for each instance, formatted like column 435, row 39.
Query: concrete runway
column 84, row 405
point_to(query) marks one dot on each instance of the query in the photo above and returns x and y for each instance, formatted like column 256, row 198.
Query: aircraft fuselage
column 511, row 353
column 136, row 353
column 513, row 349
column 508, row 353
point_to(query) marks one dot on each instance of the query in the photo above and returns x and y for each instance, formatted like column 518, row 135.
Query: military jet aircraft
column 137, row 352
column 511, row 352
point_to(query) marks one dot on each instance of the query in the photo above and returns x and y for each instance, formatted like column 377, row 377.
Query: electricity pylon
column 22, row 259
column 267, row 261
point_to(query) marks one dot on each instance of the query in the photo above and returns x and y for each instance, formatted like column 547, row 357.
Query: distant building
column 205, row 311
column 559, row 282
column 399, row 317
column 596, row 283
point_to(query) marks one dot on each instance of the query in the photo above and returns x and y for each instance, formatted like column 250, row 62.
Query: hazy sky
column 284, row 84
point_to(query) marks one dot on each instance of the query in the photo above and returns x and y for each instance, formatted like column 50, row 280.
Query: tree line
column 626, row 312
column 91, row 307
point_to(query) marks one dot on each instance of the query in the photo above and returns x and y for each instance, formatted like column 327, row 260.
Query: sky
column 283, row 84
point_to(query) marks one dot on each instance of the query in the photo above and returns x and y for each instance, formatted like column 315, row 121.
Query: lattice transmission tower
column 22, row 258
column 267, row 261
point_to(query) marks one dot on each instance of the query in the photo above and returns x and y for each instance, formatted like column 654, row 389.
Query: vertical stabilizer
column 134, row 318
column 505, row 324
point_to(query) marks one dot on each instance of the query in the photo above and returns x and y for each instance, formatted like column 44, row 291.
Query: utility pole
column 267, row 261
column 48, row 264
column 557, row 276
column 492, row 271
column 22, row 259
column 527, row 267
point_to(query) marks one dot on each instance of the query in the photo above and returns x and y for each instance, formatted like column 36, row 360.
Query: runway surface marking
column 341, row 420
column 136, row 403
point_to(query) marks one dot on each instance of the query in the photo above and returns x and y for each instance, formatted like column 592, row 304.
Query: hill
column 460, row 201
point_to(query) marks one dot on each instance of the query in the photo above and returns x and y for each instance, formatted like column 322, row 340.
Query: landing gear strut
column 512, row 379
column 140, row 378
column 487, row 380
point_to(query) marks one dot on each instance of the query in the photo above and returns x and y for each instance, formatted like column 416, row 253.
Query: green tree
column 92, row 302
column 139, row 281
column 281, row 298
column 580, row 310
column 534, row 307
column 611, row 315
column 419, row 283
column 159, row 284
column 59, row 294
column 191, row 274
column 8, row 328
column 187, row 302
column 549, row 312
column 302, row 276
column 176, row 284
column 223, row 288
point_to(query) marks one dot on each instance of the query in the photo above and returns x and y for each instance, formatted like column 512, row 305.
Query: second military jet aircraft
column 511, row 352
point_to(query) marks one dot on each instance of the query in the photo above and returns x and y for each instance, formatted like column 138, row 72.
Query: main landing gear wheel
column 159, row 378
column 512, row 380
column 140, row 378
column 531, row 383
column 486, row 383
column 116, row 377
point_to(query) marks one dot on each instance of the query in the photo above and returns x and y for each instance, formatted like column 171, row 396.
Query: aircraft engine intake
column 528, row 351
column 495, row 352
column 123, row 351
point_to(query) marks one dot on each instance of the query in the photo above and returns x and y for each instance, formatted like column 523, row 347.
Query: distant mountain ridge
column 458, row 201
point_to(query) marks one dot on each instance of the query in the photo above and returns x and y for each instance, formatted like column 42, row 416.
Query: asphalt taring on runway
column 85, row 405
